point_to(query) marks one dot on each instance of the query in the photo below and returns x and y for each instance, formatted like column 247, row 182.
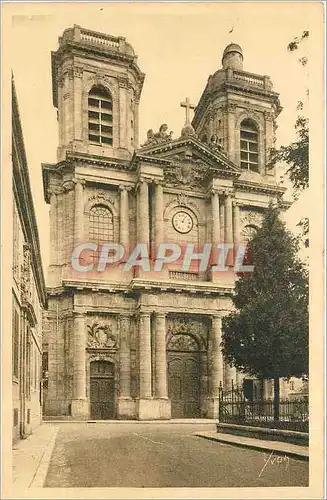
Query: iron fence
column 235, row 408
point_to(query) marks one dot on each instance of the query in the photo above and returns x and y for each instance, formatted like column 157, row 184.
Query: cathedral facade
column 126, row 342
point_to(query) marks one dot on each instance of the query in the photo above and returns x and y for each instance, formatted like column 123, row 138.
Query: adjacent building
column 28, row 293
column 130, row 343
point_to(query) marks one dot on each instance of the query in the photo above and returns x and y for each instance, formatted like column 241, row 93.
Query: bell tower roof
column 233, row 47
column 232, row 57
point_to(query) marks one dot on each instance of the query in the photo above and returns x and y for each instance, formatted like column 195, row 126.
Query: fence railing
column 234, row 408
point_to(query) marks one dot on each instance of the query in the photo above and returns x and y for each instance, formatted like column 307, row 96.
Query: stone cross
column 187, row 105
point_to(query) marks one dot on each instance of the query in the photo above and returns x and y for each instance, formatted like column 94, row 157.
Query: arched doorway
column 102, row 390
column 184, row 371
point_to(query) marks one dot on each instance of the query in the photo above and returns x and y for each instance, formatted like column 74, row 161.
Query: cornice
column 138, row 285
column 98, row 53
column 206, row 288
column 139, row 157
column 259, row 187
column 215, row 156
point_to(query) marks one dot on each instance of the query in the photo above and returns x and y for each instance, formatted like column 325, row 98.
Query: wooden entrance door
column 102, row 390
column 184, row 384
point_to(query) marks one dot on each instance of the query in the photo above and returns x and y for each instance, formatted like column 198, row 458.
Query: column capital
column 211, row 192
column 237, row 203
column 216, row 316
column 228, row 193
column 79, row 314
column 157, row 182
column 68, row 185
column 160, row 314
column 55, row 190
column 144, row 179
column 82, row 182
column 144, row 314
column 125, row 187
column 124, row 318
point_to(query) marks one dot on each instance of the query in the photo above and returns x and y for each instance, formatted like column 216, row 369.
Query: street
column 161, row 455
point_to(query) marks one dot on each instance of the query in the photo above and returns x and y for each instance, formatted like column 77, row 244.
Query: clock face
column 182, row 222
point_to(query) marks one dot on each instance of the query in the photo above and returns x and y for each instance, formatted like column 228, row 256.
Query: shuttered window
column 100, row 116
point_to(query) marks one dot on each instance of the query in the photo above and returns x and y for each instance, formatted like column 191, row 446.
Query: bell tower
column 238, row 110
column 96, row 85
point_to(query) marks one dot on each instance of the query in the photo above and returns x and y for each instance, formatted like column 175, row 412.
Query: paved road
column 166, row 455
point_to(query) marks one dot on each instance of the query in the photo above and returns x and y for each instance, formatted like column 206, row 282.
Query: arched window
column 248, row 233
column 101, row 228
column 100, row 116
column 249, row 146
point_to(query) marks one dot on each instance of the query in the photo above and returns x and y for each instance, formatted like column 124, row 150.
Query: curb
column 259, row 445
column 43, row 466
column 119, row 422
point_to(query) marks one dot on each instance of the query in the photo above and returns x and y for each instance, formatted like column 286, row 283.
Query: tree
column 267, row 335
column 296, row 154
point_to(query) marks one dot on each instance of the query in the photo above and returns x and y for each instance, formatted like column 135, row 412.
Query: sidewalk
column 191, row 421
column 278, row 447
column 31, row 457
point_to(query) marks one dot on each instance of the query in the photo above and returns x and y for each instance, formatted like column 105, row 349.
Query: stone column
column 143, row 213
column 79, row 212
column 145, row 355
column 236, row 227
column 215, row 227
column 124, row 359
column 236, row 223
column 53, row 229
column 231, row 132
column 159, row 222
column 160, row 356
column 228, row 236
column 136, row 124
column 124, row 219
column 125, row 404
column 217, row 370
column 78, row 115
column 123, row 109
column 215, row 210
column 80, row 408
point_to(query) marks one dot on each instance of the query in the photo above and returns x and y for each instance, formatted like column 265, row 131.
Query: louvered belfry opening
column 100, row 116
column 249, row 146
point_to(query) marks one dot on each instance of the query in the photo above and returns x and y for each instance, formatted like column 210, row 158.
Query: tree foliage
column 296, row 154
column 267, row 335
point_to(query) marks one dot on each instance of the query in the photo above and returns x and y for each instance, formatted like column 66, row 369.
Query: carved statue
column 215, row 145
column 101, row 336
column 159, row 137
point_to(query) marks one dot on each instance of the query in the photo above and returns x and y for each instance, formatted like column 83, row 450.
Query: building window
column 291, row 385
column 249, row 146
column 15, row 342
column 100, row 116
column 101, row 227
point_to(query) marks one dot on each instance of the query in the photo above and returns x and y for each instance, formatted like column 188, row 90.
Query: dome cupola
column 233, row 57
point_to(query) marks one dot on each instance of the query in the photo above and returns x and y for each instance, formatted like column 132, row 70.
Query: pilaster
column 80, row 406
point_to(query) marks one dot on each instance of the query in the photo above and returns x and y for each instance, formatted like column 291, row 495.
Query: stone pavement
column 278, row 447
column 31, row 457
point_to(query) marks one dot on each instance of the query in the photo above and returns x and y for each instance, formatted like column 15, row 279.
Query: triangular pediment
column 188, row 161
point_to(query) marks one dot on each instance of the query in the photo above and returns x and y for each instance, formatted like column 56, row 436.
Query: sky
column 178, row 47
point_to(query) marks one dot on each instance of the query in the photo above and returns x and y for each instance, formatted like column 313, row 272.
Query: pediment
column 189, row 162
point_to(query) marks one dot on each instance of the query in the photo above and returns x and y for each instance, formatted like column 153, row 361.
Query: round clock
column 182, row 222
